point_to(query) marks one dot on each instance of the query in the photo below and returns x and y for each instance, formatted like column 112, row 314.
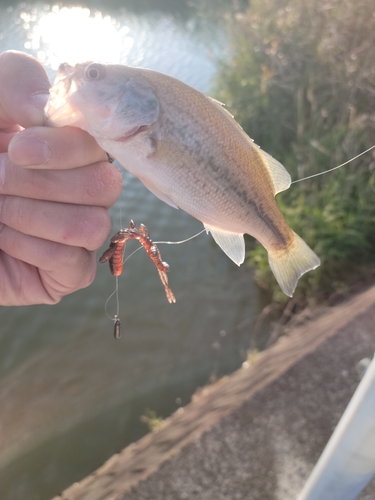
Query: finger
column 24, row 88
column 5, row 138
column 74, row 225
column 99, row 184
column 40, row 271
column 57, row 148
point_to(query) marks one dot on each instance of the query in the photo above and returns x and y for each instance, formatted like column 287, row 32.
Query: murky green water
column 70, row 395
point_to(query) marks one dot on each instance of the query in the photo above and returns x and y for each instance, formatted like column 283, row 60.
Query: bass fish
column 187, row 150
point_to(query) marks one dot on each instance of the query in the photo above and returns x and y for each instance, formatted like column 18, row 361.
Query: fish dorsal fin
column 215, row 101
column 223, row 109
column 279, row 175
column 232, row 244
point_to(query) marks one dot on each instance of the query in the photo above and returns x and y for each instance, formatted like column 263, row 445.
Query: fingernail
column 29, row 151
column 40, row 100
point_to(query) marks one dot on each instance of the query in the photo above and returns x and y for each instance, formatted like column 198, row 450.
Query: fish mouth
column 65, row 73
column 59, row 110
column 70, row 78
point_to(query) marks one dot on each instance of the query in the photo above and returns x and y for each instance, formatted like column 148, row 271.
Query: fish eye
column 95, row 71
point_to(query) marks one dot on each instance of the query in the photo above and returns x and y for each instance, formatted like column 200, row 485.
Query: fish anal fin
column 233, row 244
column 290, row 264
column 279, row 175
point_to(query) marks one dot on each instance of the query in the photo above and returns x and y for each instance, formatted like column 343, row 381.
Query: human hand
column 55, row 190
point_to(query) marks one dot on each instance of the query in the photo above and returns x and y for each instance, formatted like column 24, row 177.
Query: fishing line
column 334, row 168
column 115, row 291
column 117, row 323
column 121, row 207
column 116, row 319
column 121, row 196
column 135, row 251
column 179, row 242
column 128, row 257
column 167, row 243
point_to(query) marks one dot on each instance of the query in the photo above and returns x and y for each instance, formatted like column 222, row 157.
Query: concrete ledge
column 257, row 434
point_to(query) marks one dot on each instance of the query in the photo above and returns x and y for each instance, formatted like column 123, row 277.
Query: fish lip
column 64, row 76
column 65, row 69
column 67, row 75
column 67, row 81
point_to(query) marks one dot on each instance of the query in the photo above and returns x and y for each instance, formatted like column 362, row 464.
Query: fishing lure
column 114, row 254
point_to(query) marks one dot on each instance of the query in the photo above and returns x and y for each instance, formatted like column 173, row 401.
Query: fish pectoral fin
column 233, row 244
column 156, row 191
column 279, row 175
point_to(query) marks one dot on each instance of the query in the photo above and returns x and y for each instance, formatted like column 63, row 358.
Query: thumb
column 24, row 87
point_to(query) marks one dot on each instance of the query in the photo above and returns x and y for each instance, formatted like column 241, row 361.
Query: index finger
column 24, row 88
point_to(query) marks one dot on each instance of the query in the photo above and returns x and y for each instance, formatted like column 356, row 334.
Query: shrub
column 300, row 78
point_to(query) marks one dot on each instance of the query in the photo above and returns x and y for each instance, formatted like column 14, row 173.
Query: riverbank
column 257, row 433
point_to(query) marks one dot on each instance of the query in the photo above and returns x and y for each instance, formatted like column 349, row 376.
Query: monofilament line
column 117, row 302
column 116, row 317
column 179, row 242
column 334, row 168
column 167, row 243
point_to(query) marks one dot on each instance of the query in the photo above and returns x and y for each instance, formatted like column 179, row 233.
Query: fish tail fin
column 290, row 264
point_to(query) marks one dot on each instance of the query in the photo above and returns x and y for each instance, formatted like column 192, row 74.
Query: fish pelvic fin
column 233, row 244
column 290, row 264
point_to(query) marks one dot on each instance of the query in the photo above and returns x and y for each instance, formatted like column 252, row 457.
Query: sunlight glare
column 74, row 35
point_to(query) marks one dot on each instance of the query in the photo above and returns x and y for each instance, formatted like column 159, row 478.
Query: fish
column 189, row 151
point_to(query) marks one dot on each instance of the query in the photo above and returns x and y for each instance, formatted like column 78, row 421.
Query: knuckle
column 95, row 228
column 90, row 270
column 105, row 184
column 87, row 267
column 13, row 212
column 78, row 267
column 64, row 256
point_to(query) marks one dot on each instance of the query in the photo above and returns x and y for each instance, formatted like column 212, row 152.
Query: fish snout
column 64, row 70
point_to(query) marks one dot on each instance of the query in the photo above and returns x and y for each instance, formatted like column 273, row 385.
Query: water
column 70, row 395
